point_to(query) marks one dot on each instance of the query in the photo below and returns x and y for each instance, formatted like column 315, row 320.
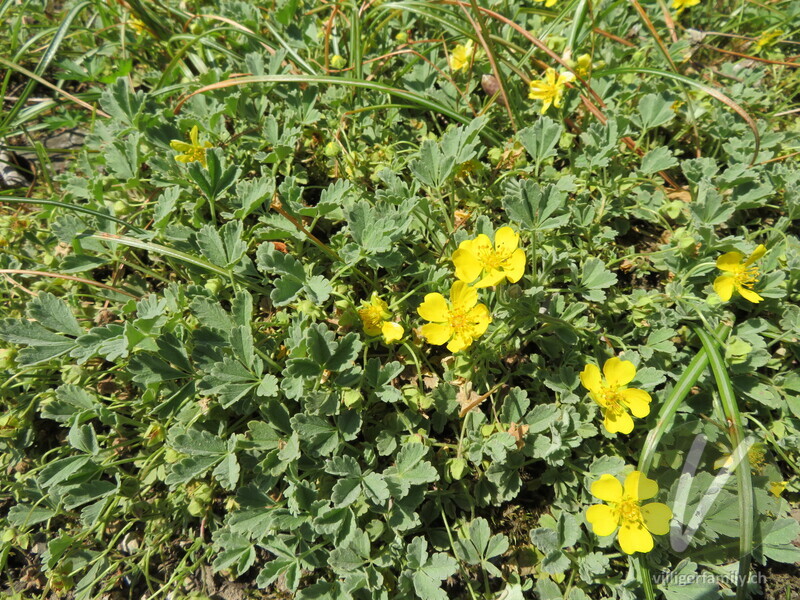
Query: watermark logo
column 679, row 537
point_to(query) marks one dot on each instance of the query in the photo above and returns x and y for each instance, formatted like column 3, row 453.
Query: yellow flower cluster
column 460, row 321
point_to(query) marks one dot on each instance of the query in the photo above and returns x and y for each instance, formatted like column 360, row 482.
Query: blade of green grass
column 48, row 56
column 72, row 207
column 714, row 93
column 412, row 97
column 665, row 417
column 183, row 257
column 743, row 475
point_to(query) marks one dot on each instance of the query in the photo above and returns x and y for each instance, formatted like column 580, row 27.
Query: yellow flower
column 456, row 323
column 194, row 152
column 777, row 487
column 375, row 317
column 680, row 5
column 548, row 3
column 137, row 24
column 612, row 395
column 636, row 523
column 739, row 276
column 501, row 261
column 583, row 66
column 550, row 89
column 461, row 56
column 767, row 39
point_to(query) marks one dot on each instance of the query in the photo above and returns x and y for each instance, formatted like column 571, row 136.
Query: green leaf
column 410, row 469
column 595, row 277
column 224, row 248
column 429, row 571
column 541, row 138
column 83, row 438
column 26, row 515
column 118, row 101
column 658, row 159
column 534, row 207
column 655, row 111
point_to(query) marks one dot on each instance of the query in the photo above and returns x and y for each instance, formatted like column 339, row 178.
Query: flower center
column 371, row 316
column 459, row 320
column 197, row 153
column 490, row 258
column 746, row 276
column 629, row 510
column 612, row 399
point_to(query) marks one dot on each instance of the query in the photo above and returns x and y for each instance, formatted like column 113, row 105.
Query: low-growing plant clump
column 400, row 300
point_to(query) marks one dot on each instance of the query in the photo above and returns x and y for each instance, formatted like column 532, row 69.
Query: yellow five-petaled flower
column 461, row 56
column 375, row 317
column 456, row 323
column 740, row 275
column 503, row 260
column 680, row 5
column 192, row 152
column 624, row 510
column 613, row 397
column 550, row 89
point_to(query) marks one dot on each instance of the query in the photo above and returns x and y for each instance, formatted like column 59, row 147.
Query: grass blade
column 48, row 56
column 73, row 207
column 743, row 475
column 406, row 95
column 714, row 93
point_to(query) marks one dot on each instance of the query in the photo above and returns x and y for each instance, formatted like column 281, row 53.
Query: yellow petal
column 546, row 104
column 618, row 372
column 637, row 401
column 491, row 279
column 603, row 518
column 607, row 488
column 724, row 285
column 591, row 379
column 730, row 261
column 480, row 319
column 436, row 333
column 391, row 331
column 657, row 517
column 633, row 537
column 506, row 240
column 749, row 295
column 434, row 308
column 550, row 76
column 515, row 266
column 565, row 77
column 760, row 250
column 467, row 265
column 459, row 342
column 180, row 146
column 462, row 296
column 618, row 422
column 194, row 136
column 538, row 91
column 639, row 487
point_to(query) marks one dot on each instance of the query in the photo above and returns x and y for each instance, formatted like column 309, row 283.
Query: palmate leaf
column 534, row 207
column 225, row 247
column 428, row 571
column 541, row 138
column 410, row 469
column 50, row 335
